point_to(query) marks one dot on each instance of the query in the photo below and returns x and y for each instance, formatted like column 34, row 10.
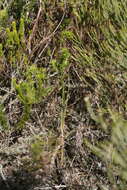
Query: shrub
column 112, row 151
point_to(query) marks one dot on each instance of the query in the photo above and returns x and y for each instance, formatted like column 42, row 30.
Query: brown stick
column 48, row 37
column 34, row 29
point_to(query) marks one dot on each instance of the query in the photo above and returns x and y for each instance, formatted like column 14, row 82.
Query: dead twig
column 48, row 38
column 34, row 29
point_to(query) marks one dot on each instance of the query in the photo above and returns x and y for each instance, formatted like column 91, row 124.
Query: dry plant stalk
column 34, row 29
column 62, row 137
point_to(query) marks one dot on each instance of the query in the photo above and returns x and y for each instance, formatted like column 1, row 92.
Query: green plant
column 3, row 119
column 3, row 17
column 31, row 90
column 113, row 151
column 43, row 150
column 60, row 66
column 15, row 45
column 62, row 62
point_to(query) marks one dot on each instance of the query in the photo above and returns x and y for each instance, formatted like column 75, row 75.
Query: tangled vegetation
column 63, row 90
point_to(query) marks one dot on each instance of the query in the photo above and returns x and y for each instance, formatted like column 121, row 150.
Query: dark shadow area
column 20, row 180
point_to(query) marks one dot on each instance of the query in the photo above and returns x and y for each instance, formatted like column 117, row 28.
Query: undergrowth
column 53, row 55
